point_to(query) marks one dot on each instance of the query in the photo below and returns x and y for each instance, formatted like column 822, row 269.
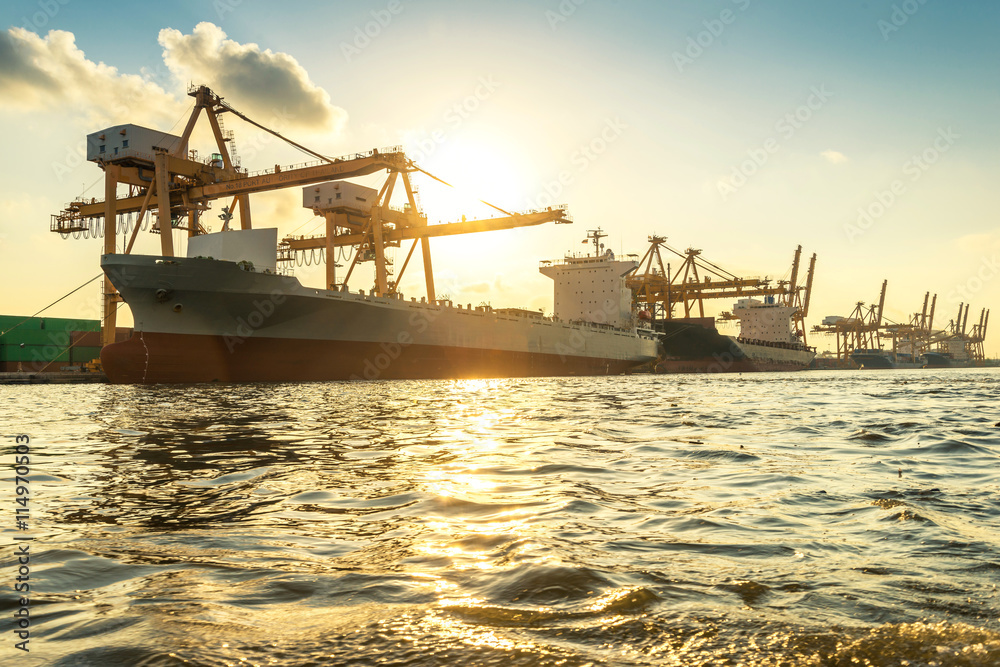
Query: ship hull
column 695, row 346
column 149, row 358
column 943, row 360
column 872, row 360
column 203, row 320
column 884, row 360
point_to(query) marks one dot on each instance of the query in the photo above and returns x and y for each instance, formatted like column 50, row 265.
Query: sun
column 479, row 169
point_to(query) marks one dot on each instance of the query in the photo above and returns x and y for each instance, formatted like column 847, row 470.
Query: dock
column 52, row 378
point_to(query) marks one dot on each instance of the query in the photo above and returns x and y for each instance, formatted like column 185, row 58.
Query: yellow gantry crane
column 179, row 186
column 861, row 330
column 957, row 336
column 978, row 336
column 867, row 329
column 660, row 290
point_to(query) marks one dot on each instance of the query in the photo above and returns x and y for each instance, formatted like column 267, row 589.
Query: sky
column 865, row 131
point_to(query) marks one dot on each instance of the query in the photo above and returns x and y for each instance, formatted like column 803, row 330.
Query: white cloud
column 260, row 83
column 51, row 72
column 41, row 74
column 836, row 157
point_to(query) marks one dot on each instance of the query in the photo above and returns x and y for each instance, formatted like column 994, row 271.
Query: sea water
column 812, row 518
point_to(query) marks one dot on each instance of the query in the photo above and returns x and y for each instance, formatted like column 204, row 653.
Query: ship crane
column 868, row 329
column 166, row 177
column 917, row 336
column 978, row 336
column 697, row 279
column 861, row 330
column 955, row 341
column 959, row 339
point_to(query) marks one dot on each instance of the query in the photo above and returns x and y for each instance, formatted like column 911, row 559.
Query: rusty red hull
column 151, row 358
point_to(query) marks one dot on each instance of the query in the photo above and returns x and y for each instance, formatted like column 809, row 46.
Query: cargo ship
column 224, row 314
column 771, row 328
column 878, row 358
column 228, row 310
column 889, row 359
column 941, row 359
column 766, row 342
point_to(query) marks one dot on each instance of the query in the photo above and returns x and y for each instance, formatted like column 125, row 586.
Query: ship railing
column 775, row 344
column 389, row 150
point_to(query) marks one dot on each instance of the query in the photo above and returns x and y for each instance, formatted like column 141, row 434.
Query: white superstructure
column 765, row 321
column 591, row 288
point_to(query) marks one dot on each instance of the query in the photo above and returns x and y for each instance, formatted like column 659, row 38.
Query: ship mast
column 595, row 235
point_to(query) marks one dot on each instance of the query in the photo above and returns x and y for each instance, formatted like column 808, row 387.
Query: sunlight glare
column 480, row 168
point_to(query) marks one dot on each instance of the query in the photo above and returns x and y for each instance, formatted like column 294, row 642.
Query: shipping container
column 38, row 344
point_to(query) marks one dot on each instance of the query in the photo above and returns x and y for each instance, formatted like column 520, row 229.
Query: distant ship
column 890, row 359
column 766, row 342
column 886, row 359
column 222, row 314
column 944, row 360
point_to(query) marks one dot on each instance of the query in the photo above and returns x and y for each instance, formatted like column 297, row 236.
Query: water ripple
column 826, row 518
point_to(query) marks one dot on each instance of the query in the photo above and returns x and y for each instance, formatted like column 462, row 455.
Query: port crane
column 660, row 290
column 861, row 330
column 179, row 186
column 978, row 336
column 958, row 338
column 867, row 328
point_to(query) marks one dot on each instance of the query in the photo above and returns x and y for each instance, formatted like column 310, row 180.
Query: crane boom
column 795, row 273
column 809, row 286
column 431, row 231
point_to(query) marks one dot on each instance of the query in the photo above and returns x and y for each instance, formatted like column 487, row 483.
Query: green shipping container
column 17, row 324
column 45, row 340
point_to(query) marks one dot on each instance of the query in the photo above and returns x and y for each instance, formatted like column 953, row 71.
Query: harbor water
column 815, row 518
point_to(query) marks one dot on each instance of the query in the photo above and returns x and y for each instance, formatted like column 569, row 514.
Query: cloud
column 22, row 80
column 51, row 72
column 41, row 74
column 836, row 157
column 262, row 84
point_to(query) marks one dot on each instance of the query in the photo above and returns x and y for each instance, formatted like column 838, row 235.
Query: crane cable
column 440, row 180
column 2, row 333
column 275, row 133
